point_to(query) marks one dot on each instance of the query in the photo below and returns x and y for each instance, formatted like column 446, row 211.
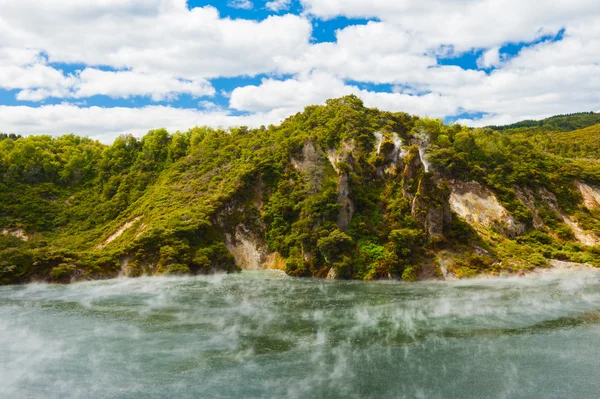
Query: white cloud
column 490, row 58
column 39, row 81
column 464, row 24
column 580, row 45
column 209, row 106
column 124, row 84
column 278, row 5
column 380, row 53
column 242, row 4
column 105, row 124
column 12, row 56
column 522, row 94
column 156, row 36
column 292, row 95
column 33, row 77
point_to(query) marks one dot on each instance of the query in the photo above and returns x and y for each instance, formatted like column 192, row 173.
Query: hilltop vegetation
column 557, row 123
column 339, row 190
column 582, row 143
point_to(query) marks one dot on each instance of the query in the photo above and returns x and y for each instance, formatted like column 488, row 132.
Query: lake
column 264, row 335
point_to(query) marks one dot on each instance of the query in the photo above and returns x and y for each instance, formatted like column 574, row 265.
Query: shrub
column 178, row 269
column 335, row 245
column 63, row 271
column 409, row 274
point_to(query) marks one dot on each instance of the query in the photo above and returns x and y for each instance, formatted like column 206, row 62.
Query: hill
column 339, row 191
column 582, row 143
column 558, row 123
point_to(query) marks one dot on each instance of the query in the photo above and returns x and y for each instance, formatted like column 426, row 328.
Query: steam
column 398, row 152
column 259, row 334
column 424, row 159
column 423, row 141
column 379, row 137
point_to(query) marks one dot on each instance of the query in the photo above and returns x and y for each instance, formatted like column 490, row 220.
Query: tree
column 335, row 245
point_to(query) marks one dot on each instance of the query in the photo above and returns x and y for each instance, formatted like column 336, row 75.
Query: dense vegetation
column 329, row 191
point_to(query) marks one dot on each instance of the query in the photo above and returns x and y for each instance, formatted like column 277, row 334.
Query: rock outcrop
column 119, row 232
column 343, row 156
column 243, row 232
column 312, row 165
column 479, row 207
column 18, row 233
column 582, row 236
column 527, row 197
column 430, row 205
column 249, row 250
column 591, row 196
column 347, row 209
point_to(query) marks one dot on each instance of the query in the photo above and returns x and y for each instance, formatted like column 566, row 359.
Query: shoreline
column 555, row 266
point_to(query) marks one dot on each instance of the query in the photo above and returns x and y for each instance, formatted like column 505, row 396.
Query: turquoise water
column 262, row 335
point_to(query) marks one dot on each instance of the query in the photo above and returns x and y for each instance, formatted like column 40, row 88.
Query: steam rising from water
column 262, row 335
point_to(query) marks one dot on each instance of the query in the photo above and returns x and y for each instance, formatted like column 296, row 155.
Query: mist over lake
column 264, row 335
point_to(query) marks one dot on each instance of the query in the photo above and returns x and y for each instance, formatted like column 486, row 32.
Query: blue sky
column 104, row 68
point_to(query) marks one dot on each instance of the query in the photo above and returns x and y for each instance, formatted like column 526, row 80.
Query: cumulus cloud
column 291, row 95
column 579, row 46
column 278, row 5
column 105, row 124
column 124, row 84
column 12, row 56
column 490, row 58
column 39, row 81
column 31, row 77
column 243, row 4
column 209, row 106
column 464, row 24
column 152, row 36
column 514, row 94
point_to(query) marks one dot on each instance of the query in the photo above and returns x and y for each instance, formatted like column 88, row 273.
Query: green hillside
column 339, row 190
column 582, row 143
column 558, row 123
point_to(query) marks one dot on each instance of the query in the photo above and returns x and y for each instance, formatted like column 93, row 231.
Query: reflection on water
column 262, row 335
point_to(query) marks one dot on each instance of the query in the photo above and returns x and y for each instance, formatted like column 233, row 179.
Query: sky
column 101, row 68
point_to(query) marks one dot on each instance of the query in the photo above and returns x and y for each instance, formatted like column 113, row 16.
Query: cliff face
column 479, row 207
column 339, row 191
column 433, row 205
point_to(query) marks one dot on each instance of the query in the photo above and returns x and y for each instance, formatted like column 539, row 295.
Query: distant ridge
column 562, row 123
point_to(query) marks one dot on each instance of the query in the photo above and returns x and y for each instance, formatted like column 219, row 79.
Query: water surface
column 262, row 335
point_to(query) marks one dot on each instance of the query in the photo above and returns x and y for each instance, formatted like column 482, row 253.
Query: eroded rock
column 582, row 236
column 343, row 188
column 591, row 196
column 250, row 251
column 119, row 232
column 312, row 165
column 527, row 197
column 18, row 233
column 477, row 205
column 347, row 210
